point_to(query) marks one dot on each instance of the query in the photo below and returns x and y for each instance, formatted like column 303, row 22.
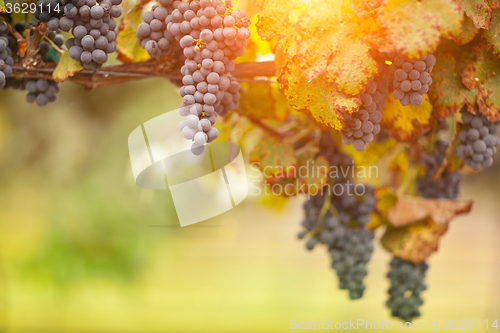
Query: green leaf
column 415, row 27
column 478, row 11
column 127, row 45
column 275, row 159
column 2, row 6
column 66, row 67
column 448, row 94
column 483, row 76
column 469, row 31
column 492, row 35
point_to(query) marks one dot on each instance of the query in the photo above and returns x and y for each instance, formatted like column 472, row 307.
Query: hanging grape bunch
column 6, row 61
column 153, row 34
column 93, row 30
column 478, row 140
column 50, row 11
column 211, row 36
column 412, row 79
column 364, row 124
column 42, row 91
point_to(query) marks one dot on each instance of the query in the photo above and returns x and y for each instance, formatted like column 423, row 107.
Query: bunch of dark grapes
column 93, row 28
column 211, row 36
column 46, row 50
column 42, row 91
column 478, row 141
column 407, row 282
column 412, row 79
column 49, row 11
column 447, row 185
column 349, row 243
column 6, row 61
column 362, row 125
column 153, row 34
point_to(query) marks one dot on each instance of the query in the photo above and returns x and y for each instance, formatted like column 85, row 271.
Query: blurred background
column 83, row 249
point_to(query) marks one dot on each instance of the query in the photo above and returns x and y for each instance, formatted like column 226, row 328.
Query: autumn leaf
column 65, row 67
column 372, row 153
column 275, row 159
column 406, row 122
column 409, row 210
column 492, row 35
column 415, row 242
column 415, row 27
column 386, row 199
column 324, row 102
column 478, row 11
column 127, row 45
column 262, row 100
column 448, row 93
column 364, row 8
column 483, row 76
column 278, row 18
column 2, row 7
column 469, row 31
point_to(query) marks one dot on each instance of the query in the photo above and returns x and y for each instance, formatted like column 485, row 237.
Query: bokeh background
column 83, row 249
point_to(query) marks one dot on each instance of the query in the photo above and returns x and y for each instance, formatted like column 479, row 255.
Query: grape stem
column 53, row 44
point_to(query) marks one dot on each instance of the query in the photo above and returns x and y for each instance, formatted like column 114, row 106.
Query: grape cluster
column 6, row 61
column 412, row 79
column 349, row 242
column 42, row 91
column 447, row 185
column 407, row 282
column 153, row 34
column 47, row 51
column 478, row 141
column 93, row 28
column 362, row 125
column 211, row 36
column 49, row 10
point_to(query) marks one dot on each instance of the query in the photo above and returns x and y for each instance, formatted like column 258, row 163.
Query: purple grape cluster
column 361, row 126
column 412, row 79
column 50, row 11
column 478, row 141
column 93, row 28
column 6, row 61
column 41, row 91
column 211, row 36
column 153, row 34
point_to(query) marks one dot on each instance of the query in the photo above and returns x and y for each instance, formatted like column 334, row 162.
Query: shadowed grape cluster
column 50, row 11
column 153, row 34
column 478, row 141
column 407, row 282
column 364, row 124
column 412, row 79
column 447, row 184
column 41, row 91
column 349, row 243
column 6, row 61
column 93, row 28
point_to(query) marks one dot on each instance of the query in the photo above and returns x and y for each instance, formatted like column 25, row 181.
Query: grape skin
column 412, row 79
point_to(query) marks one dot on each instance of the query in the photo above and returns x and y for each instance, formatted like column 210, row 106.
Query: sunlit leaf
column 478, row 11
column 127, row 45
column 415, row 27
column 406, row 122
column 275, row 159
column 492, row 35
column 66, row 67
column 469, row 31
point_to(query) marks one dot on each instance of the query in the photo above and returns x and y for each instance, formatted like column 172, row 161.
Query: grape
column 362, row 125
column 412, row 79
column 197, row 149
column 478, row 140
column 407, row 282
column 349, row 244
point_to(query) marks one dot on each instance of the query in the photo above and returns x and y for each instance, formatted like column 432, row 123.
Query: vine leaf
column 415, row 27
column 492, row 35
column 404, row 123
column 447, row 92
column 415, row 242
column 483, row 76
column 262, row 101
column 65, row 67
column 323, row 101
column 409, row 210
column 278, row 18
column 127, row 45
column 309, row 177
column 478, row 11
column 364, row 8
column 2, row 7
column 276, row 160
column 469, row 31
column 372, row 153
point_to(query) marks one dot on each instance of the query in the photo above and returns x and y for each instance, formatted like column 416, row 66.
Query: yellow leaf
column 406, row 122
column 127, row 46
column 65, row 67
